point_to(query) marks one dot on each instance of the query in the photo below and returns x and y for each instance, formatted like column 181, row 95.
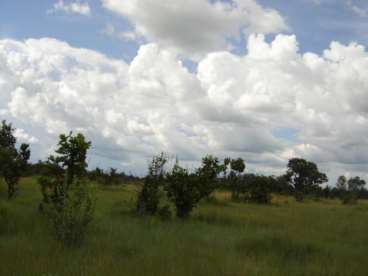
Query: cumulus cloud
column 196, row 27
column 78, row 7
column 233, row 105
column 360, row 10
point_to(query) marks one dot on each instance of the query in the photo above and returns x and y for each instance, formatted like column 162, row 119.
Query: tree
column 237, row 167
column 354, row 186
column 304, row 176
column 148, row 198
column 68, row 202
column 341, row 184
column 13, row 162
column 71, row 155
column 207, row 175
column 183, row 190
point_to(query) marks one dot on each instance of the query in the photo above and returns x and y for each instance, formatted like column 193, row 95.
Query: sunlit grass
column 220, row 238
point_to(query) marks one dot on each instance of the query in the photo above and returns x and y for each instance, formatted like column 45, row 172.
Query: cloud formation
column 196, row 27
column 233, row 105
column 78, row 7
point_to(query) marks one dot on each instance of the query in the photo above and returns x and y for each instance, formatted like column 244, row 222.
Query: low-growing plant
column 165, row 213
column 71, row 216
column 183, row 190
column 149, row 197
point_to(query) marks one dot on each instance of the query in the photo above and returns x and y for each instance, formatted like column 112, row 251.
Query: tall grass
column 220, row 238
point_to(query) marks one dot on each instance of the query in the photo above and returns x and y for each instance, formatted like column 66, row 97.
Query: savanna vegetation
column 59, row 218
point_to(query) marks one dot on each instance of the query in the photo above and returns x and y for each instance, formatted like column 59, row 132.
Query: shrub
column 149, row 197
column 165, row 213
column 13, row 161
column 183, row 190
column 71, row 216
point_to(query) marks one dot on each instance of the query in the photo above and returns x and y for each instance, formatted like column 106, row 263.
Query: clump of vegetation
column 208, row 174
column 71, row 216
column 68, row 201
column 350, row 189
column 149, row 196
column 13, row 161
column 165, row 213
column 304, row 176
column 183, row 190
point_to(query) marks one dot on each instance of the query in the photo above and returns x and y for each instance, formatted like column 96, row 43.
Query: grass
column 220, row 238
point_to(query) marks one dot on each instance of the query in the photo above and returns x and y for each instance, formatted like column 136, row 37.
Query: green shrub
column 149, row 197
column 70, row 217
column 165, row 213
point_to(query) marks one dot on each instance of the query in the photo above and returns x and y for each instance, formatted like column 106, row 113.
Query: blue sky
column 315, row 25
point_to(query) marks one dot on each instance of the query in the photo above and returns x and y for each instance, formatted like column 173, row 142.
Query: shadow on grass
column 283, row 248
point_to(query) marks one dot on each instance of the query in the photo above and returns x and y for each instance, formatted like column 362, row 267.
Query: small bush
column 165, row 213
column 149, row 197
column 71, row 218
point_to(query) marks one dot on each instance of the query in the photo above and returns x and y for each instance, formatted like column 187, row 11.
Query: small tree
column 354, row 185
column 148, row 197
column 68, row 201
column 304, row 176
column 207, row 175
column 183, row 190
column 237, row 167
column 13, row 162
column 71, row 155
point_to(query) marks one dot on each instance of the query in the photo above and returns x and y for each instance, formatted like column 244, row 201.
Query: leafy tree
column 207, row 175
column 13, row 161
column 68, row 202
column 183, row 190
column 354, row 186
column 304, row 176
column 341, row 183
column 148, row 197
column 71, row 155
column 237, row 167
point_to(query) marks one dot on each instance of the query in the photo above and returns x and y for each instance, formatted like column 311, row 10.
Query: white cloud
column 232, row 106
column 361, row 11
column 77, row 7
column 196, row 27
column 21, row 135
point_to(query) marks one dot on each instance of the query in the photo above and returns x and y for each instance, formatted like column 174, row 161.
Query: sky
column 265, row 80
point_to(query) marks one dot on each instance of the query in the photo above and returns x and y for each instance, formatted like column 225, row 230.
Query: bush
column 253, row 188
column 71, row 216
column 149, row 197
column 165, row 213
column 183, row 190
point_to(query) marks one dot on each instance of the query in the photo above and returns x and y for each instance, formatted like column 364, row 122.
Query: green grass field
column 220, row 238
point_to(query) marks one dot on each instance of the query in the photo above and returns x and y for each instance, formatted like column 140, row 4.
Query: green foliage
column 13, row 162
column 165, row 213
column 67, row 201
column 149, row 197
column 304, row 176
column 207, row 175
column 253, row 188
column 354, row 185
column 71, row 216
column 71, row 155
column 183, row 190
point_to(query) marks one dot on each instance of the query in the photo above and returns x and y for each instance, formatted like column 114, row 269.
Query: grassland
column 220, row 238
